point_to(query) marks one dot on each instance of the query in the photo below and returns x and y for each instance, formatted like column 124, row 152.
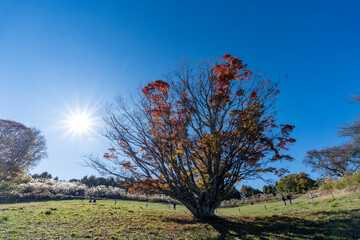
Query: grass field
column 323, row 218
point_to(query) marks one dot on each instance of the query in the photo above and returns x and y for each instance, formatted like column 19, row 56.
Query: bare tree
column 336, row 161
column 340, row 160
column 21, row 148
column 197, row 134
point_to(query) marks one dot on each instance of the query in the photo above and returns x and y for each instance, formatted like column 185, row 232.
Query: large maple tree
column 195, row 135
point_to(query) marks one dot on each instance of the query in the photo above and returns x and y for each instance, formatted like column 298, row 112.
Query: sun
column 79, row 123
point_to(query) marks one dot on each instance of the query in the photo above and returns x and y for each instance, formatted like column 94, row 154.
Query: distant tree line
column 248, row 191
column 93, row 181
column 44, row 175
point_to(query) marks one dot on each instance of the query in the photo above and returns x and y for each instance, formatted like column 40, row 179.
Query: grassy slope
column 323, row 218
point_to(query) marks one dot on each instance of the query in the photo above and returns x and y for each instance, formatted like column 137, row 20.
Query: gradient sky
column 59, row 56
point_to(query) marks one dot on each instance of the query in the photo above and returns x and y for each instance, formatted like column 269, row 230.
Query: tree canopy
column 294, row 183
column 196, row 134
column 21, row 148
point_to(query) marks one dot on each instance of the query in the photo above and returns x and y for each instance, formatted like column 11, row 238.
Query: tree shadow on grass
column 328, row 225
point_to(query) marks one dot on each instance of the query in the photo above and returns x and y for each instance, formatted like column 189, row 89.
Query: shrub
column 349, row 181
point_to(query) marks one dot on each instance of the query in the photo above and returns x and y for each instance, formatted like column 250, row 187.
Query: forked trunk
column 204, row 212
column 201, row 209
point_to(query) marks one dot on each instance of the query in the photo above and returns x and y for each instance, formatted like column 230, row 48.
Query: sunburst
column 79, row 122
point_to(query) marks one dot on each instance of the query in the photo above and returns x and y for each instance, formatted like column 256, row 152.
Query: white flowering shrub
column 37, row 189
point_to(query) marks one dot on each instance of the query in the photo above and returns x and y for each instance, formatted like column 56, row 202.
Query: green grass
column 325, row 218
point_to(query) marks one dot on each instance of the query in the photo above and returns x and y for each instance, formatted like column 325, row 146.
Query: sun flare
column 79, row 122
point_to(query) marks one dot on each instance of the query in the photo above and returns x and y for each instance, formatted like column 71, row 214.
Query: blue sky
column 62, row 55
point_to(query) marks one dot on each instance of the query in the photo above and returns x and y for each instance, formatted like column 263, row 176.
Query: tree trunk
column 201, row 209
column 204, row 212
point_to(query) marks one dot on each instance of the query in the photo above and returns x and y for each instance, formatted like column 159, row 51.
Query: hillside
column 323, row 218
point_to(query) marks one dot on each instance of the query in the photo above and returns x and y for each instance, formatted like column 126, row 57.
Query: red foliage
column 157, row 86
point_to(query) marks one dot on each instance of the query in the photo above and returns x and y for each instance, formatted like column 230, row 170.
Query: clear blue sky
column 62, row 55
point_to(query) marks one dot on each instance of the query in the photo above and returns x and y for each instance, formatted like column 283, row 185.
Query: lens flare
column 79, row 123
